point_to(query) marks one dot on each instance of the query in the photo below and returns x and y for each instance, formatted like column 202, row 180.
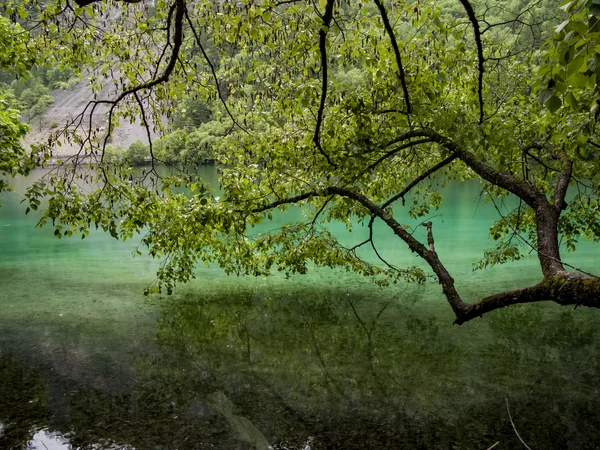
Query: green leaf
column 562, row 26
column 545, row 95
column 567, row 5
column 571, row 101
column 553, row 104
column 566, row 55
column 570, row 36
column 580, row 27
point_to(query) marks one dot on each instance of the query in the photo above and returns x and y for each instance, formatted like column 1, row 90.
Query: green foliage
column 193, row 113
column 16, row 58
column 137, row 154
column 113, row 154
column 198, row 146
column 13, row 159
column 60, row 78
column 202, row 143
column 171, row 146
column 41, row 106
column 246, row 89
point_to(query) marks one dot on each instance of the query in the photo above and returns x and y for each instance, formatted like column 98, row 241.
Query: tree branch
column 569, row 289
column 562, row 184
column 213, row 71
column 177, row 41
column 394, row 42
column 420, row 178
column 414, row 245
column 430, row 240
column 561, row 287
column 530, row 195
column 480, row 68
column 323, row 49
column 394, row 151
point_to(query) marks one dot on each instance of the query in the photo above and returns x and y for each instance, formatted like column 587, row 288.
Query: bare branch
column 430, row 240
column 514, row 427
column 375, row 248
column 146, row 126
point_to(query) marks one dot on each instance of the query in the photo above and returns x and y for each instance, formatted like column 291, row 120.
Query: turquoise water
column 322, row 361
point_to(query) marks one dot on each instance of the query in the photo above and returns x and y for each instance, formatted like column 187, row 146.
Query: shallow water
column 322, row 361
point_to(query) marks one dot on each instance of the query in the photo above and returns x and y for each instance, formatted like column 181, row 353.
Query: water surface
column 326, row 360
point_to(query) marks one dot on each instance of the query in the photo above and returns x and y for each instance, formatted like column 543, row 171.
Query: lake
column 327, row 360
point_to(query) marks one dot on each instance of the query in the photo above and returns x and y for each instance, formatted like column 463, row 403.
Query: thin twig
column 515, row 428
column 213, row 71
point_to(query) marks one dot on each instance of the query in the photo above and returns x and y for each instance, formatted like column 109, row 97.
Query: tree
column 137, row 153
column 16, row 58
column 346, row 109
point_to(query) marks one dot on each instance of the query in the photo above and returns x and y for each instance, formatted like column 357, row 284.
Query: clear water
column 322, row 361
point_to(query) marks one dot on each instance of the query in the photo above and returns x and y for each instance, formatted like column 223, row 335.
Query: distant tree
column 15, row 58
column 137, row 153
column 169, row 147
column 194, row 112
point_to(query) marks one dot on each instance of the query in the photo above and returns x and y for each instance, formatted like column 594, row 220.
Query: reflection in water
column 323, row 361
column 324, row 369
column 46, row 440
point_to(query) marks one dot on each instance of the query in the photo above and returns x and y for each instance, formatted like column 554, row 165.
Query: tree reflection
column 322, row 369
column 354, row 372
column 22, row 402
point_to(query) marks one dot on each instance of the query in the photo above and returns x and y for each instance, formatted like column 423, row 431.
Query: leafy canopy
column 347, row 108
column 15, row 57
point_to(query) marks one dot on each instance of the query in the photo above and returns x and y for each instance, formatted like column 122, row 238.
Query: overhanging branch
column 571, row 289
column 177, row 41
column 327, row 17
column 480, row 67
column 390, row 31
column 213, row 71
column 420, row 178
column 394, row 151
column 530, row 195
column 414, row 245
